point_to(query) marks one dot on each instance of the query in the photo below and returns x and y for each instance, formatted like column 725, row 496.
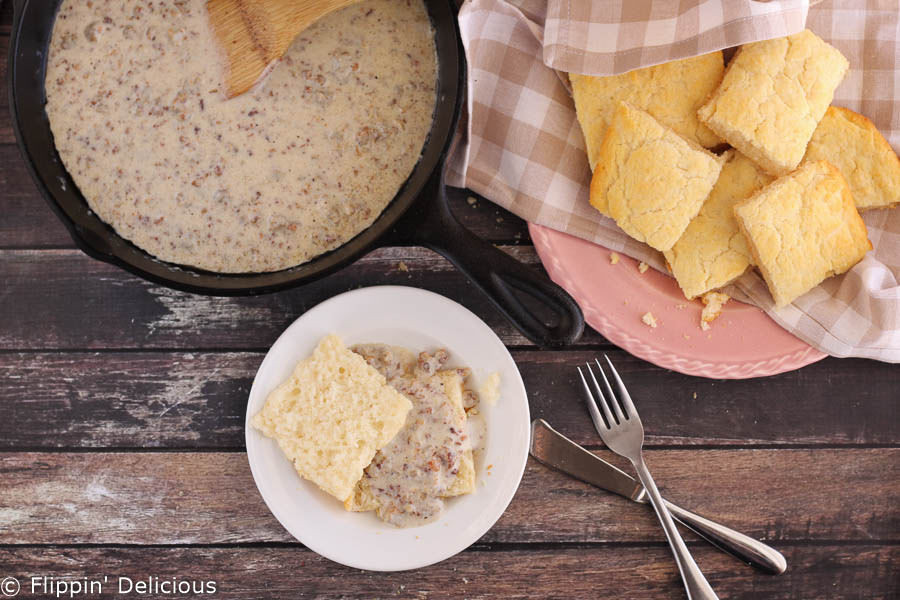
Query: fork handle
column 695, row 583
column 734, row 542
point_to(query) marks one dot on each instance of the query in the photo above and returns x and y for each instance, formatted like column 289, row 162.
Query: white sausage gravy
column 432, row 457
column 265, row 181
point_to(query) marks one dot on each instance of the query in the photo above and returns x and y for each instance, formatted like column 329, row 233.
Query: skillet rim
column 88, row 231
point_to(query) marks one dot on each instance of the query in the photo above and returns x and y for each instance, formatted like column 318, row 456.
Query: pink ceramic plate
column 743, row 342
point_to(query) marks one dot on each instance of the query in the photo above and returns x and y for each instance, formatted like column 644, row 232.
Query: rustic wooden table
column 122, row 442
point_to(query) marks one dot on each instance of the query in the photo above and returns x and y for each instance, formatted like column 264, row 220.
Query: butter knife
column 555, row 450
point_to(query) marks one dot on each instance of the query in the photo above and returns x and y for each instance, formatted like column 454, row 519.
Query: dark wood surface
column 121, row 441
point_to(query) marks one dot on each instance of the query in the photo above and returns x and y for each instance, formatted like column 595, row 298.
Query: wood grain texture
column 6, row 14
column 109, row 308
column 197, row 400
column 7, row 137
column 210, row 498
column 27, row 220
column 643, row 573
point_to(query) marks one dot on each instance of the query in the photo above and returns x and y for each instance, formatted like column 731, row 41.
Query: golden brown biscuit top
column 649, row 179
column 713, row 251
column 670, row 92
column 854, row 145
column 772, row 97
column 803, row 228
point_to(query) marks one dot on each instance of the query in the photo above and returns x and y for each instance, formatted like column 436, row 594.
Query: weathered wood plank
column 125, row 400
column 109, row 308
column 6, row 132
column 641, row 573
column 820, row 403
column 27, row 219
column 197, row 400
column 210, row 498
column 6, row 14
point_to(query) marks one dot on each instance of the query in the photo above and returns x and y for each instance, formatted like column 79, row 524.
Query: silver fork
column 623, row 433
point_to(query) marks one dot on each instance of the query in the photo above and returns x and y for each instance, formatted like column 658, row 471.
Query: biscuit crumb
column 649, row 320
column 686, row 336
column 471, row 201
column 499, row 219
column 695, row 395
column 489, row 391
column 642, row 267
column 613, row 258
column 713, row 303
column 401, row 266
column 681, row 306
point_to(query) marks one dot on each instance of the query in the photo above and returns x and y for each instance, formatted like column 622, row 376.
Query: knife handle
column 742, row 546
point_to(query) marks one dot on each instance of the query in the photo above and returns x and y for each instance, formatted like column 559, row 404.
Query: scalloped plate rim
column 682, row 363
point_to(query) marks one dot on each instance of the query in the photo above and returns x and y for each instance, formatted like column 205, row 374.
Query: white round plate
column 418, row 320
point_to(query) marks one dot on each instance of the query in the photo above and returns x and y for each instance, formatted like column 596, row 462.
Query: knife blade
column 555, row 450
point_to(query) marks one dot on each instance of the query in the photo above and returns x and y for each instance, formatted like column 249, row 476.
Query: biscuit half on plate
column 802, row 229
column 332, row 415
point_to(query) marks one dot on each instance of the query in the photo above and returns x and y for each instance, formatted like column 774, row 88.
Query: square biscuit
column 671, row 92
column 773, row 95
column 649, row 179
column 713, row 252
column 332, row 415
column 854, row 145
column 802, row 229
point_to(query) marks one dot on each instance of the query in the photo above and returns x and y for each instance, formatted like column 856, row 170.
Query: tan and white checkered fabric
column 606, row 38
column 522, row 148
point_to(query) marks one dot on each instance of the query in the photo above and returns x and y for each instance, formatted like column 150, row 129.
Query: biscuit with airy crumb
column 713, row 252
column 773, row 96
column 649, row 179
column 332, row 415
column 802, row 229
column 854, row 145
column 671, row 92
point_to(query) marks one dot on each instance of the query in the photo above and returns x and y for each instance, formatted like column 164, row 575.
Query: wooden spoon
column 256, row 33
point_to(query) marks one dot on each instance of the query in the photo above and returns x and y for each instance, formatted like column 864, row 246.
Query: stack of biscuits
column 785, row 197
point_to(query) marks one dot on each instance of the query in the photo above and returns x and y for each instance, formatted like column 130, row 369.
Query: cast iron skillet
column 418, row 215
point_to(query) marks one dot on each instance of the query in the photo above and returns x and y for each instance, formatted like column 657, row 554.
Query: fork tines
column 616, row 408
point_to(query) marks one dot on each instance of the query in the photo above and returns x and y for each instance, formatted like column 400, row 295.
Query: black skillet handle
column 430, row 223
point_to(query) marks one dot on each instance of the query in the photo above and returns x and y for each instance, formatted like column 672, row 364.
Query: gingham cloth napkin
column 522, row 148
